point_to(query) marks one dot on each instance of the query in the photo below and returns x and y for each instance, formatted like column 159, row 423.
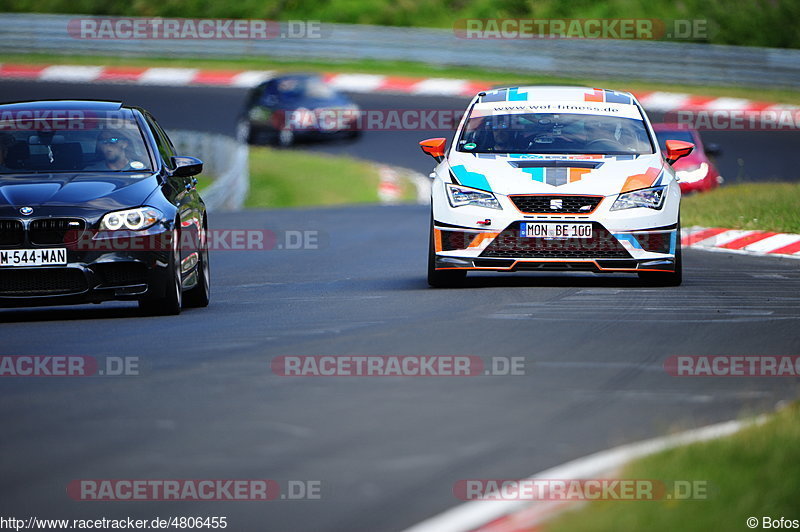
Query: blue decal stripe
column 629, row 238
column 515, row 96
column 471, row 179
column 537, row 174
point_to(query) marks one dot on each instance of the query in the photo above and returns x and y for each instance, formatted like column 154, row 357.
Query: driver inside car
column 114, row 147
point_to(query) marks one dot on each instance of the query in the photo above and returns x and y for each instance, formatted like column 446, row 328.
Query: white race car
column 555, row 179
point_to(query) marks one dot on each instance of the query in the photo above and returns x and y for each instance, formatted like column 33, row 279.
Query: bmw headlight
column 693, row 175
column 131, row 219
column 650, row 198
column 460, row 196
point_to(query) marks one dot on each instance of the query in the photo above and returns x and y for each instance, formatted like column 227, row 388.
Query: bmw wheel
column 200, row 295
column 172, row 301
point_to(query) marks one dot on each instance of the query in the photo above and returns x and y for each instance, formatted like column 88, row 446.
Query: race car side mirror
column 677, row 149
column 434, row 147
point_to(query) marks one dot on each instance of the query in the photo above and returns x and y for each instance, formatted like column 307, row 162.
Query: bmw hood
column 557, row 174
column 84, row 191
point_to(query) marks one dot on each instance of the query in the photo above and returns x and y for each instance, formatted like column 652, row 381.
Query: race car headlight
column 460, row 196
column 651, row 198
column 693, row 175
column 131, row 219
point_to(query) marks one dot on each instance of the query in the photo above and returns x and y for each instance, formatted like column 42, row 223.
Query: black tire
column 172, row 301
column 442, row 278
column 200, row 295
column 285, row 138
column 667, row 278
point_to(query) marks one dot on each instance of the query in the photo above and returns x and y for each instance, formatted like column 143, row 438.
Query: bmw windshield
column 53, row 141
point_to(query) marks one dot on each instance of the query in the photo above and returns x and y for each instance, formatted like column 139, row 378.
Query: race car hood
column 556, row 174
column 87, row 191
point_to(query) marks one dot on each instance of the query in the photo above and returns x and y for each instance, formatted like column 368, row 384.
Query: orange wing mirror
column 434, row 147
column 677, row 149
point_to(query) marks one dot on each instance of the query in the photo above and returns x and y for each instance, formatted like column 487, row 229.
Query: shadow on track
column 522, row 281
column 33, row 314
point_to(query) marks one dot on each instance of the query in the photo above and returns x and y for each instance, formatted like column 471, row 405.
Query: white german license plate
column 555, row 230
column 33, row 257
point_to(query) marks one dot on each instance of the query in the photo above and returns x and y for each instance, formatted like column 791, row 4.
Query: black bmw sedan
column 296, row 106
column 95, row 205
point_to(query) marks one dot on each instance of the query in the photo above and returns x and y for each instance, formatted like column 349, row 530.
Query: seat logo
column 26, row 211
column 556, row 204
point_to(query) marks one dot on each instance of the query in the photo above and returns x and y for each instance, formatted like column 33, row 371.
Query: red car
column 696, row 172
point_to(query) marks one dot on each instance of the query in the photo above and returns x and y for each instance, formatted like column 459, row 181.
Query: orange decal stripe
column 480, row 238
column 635, row 182
column 437, row 239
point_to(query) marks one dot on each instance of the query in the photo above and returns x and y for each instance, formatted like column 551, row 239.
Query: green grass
column 288, row 178
column 409, row 69
column 743, row 22
column 763, row 206
column 755, row 472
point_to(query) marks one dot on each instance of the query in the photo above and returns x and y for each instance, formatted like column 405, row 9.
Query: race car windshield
column 54, row 141
column 549, row 133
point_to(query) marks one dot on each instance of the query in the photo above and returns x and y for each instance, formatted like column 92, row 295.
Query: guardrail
column 646, row 60
column 224, row 158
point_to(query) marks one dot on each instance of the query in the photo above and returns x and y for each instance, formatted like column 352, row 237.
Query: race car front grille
column 49, row 231
column 11, row 233
column 41, row 281
column 555, row 204
column 121, row 273
column 602, row 245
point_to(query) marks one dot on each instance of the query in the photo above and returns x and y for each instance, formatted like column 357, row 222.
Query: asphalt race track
column 387, row 451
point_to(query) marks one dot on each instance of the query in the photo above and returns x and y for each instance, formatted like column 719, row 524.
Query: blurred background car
column 697, row 171
column 289, row 107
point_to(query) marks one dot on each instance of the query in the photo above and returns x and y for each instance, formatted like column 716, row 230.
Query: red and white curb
column 741, row 241
column 360, row 83
column 528, row 516
column 390, row 189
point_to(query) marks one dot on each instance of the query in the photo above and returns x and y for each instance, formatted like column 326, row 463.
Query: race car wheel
column 442, row 278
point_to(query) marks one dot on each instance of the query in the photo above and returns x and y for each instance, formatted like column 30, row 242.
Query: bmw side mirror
column 434, row 147
column 677, row 149
column 186, row 166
